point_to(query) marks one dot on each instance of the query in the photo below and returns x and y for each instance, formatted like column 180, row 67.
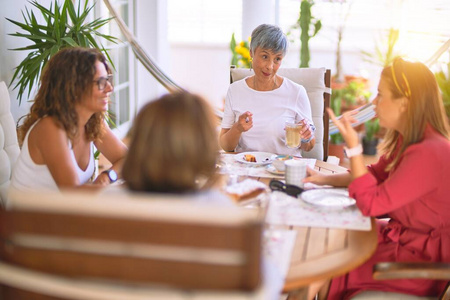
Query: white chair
column 84, row 246
column 317, row 82
column 9, row 148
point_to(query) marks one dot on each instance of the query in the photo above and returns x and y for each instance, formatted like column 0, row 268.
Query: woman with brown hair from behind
column 174, row 147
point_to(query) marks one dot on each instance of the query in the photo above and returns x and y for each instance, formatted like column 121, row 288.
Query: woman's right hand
column 315, row 177
column 245, row 122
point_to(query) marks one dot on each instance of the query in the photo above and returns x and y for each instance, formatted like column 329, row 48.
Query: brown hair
column 173, row 144
column 424, row 106
column 67, row 79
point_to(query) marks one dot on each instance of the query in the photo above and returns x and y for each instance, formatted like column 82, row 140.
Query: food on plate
column 249, row 158
column 249, row 188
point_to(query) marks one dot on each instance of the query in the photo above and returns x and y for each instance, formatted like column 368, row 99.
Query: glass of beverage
column 293, row 139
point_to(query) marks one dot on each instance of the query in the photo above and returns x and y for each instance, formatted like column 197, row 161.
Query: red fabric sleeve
column 416, row 175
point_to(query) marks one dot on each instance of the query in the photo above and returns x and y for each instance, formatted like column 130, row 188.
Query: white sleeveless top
column 29, row 176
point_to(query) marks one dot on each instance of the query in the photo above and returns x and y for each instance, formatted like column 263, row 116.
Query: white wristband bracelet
column 308, row 140
column 350, row 152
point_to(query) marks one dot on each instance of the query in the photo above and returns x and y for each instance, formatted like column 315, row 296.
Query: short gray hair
column 268, row 37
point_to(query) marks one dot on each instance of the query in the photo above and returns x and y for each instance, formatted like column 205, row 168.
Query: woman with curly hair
column 66, row 120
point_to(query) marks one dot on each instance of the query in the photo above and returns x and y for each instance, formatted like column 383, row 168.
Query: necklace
column 274, row 86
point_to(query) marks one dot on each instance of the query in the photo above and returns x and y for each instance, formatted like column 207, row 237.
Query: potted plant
column 64, row 26
column 309, row 26
column 336, row 145
column 385, row 50
column 240, row 53
column 370, row 139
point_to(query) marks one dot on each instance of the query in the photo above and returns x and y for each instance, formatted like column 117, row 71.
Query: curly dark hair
column 67, row 79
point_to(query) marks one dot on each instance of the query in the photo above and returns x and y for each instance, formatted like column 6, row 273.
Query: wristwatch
column 112, row 175
column 350, row 152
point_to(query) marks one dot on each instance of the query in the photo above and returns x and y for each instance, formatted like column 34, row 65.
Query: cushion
column 379, row 295
column 9, row 148
column 312, row 79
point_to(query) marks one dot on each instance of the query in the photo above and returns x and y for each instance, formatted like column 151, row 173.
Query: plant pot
column 336, row 150
column 370, row 147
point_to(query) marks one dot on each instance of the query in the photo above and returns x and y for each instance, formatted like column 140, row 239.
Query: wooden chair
column 9, row 148
column 80, row 246
column 317, row 82
column 417, row 270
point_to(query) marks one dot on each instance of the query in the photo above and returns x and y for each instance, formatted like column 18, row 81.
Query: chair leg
column 446, row 293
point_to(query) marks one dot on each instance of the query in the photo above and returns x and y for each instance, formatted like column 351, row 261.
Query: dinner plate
column 328, row 197
column 271, row 169
column 262, row 158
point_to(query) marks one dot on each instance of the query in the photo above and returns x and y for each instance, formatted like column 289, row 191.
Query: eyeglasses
column 406, row 90
column 291, row 190
column 101, row 82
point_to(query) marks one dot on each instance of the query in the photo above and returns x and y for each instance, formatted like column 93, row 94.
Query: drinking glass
column 293, row 138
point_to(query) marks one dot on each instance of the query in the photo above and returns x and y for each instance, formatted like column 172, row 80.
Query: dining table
column 319, row 251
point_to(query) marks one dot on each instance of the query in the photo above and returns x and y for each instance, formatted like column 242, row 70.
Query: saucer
column 271, row 169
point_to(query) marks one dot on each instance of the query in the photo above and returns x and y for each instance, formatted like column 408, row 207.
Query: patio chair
column 417, row 270
column 83, row 246
column 317, row 82
column 9, row 148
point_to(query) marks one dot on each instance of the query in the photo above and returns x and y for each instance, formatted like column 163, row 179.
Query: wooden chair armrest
column 438, row 271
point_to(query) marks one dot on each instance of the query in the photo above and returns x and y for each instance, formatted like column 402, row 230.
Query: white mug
column 295, row 172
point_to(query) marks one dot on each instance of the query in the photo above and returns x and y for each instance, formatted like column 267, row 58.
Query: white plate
column 328, row 197
column 271, row 169
column 262, row 158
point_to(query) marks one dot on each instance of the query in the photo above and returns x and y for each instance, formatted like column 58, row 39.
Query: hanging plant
column 64, row 26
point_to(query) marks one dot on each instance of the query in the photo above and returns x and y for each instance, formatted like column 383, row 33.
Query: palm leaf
column 63, row 26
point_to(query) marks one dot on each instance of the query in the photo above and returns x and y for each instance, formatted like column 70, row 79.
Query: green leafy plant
column 371, row 129
column 309, row 26
column 443, row 79
column 354, row 92
column 335, row 105
column 64, row 26
column 240, row 53
column 385, row 51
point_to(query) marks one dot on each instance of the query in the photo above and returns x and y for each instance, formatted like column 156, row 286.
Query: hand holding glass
column 293, row 137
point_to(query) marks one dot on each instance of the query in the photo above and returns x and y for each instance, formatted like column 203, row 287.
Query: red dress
column 416, row 196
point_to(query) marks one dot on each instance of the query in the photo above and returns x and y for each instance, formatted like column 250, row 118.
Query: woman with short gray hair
column 257, row 107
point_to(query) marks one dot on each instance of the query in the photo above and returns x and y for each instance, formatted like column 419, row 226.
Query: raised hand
column 245, row 121
column 344, row 124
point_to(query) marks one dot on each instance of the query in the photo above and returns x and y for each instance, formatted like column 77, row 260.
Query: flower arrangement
column 240, row 53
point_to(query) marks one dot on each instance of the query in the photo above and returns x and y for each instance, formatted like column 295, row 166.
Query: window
column 423, row 24
column 122, row 100
column 203, row 21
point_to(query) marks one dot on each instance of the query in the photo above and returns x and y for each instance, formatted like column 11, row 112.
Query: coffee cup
column 295, row 172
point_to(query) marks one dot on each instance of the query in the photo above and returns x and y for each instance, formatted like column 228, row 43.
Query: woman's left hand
column 102, row 179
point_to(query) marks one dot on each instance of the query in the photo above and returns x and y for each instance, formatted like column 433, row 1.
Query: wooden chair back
column 137, row 240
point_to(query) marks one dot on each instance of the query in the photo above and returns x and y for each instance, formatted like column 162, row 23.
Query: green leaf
column 70, row 41
column 64, row 26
